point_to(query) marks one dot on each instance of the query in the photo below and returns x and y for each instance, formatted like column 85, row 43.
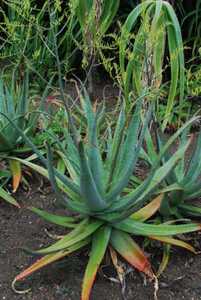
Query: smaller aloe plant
column 15, row 105
column 94, row 186
column 186, row 175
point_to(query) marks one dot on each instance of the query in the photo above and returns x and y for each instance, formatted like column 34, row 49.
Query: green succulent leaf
column 49, row 258
column 88, row 186
column 139, row 228
column 65, row 221
column 126, row 246
column 81, row 232
column 100, row 242
column 8, row 198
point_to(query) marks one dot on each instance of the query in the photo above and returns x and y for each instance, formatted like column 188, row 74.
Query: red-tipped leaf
column 130, row 251
column 99, row 245
column 16, row 171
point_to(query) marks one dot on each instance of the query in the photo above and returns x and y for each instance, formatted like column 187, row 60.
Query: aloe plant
column 176, row 204
column 94, row 187
column 142, row 54
column 186, row 176
column 15, row 105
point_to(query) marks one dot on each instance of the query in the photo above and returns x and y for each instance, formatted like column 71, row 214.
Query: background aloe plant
column 186, row 176
column 95, row 18
column 142, row 53
column 15, row 105
column 177, row 204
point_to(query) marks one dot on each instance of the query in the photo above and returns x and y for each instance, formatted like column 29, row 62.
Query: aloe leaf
column 88, row 186
column 130, row 164
column 61, row 166
column 194, row 168
column 16, row 171
column 174, row 73
column 165, row 259
column 113, row 153
column 162, row 172
column 59, row 220
column 95, row 160
column 135, row 65
column 130, row 251
column 46, row 260
column 76, row 235
column 5, row 144
column 149, row 210
column 133, row 138
column 134, row 199
column 139, row 228
column 193, row 191
column 130, row 198
column 70, row 165
column 191, row 209
column 150, row 147
column 44, row 172
column 170, row 188
column 8, row 198
column 158, row 8
column 99, row 245
column 178, row 38
column 126, row 29
column 175, row 242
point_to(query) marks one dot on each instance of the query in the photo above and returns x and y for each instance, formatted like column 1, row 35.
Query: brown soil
column 62, row 280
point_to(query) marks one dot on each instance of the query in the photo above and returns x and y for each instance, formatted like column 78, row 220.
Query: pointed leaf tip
column 130, row 251
column 16, row 171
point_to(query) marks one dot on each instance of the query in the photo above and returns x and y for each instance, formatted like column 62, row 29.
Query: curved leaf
column 46, row 260
column 126, row 247
column 99, row 245
column 139, row 228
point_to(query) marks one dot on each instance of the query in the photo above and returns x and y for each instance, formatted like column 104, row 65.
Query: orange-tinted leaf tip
column 86, row 290
column 35, row 266
column 16, row 182
column 148, row 270
column 18, row 206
